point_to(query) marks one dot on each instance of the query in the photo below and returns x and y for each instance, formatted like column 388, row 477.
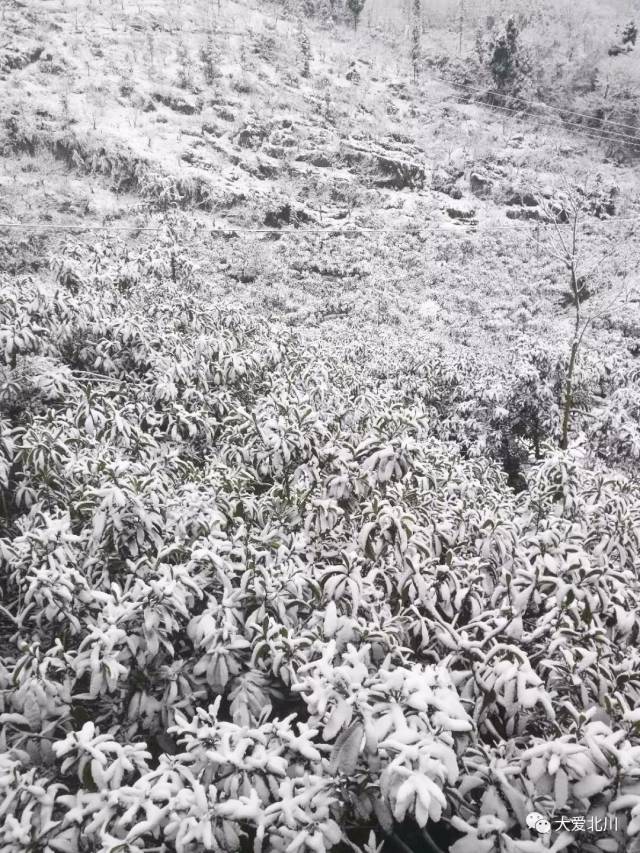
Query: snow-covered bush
column 254, row 599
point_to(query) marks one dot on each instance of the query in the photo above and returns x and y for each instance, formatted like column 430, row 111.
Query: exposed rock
column 212, row 128
column 617, row 49
column 14, row 58
column 287, row 215
column 402, row 138
column 463, row 214
column 230, row 198
column 353, row 75
column 194, row 158
column 601, row 200
column 604, row 209
column 268, row 167
column 481, row 184
column 400, row 174
column 525, row 213
column 526, row 199
column 559, row 211
column 225, row 114
column 336, row 213
column 315, row 158
column 175, row 102
column 385, row 170
column 280, row 137
column 251, row 136
column 444, row 180
column 50, row 64
column 326, row 271
column 275, row 151
column 399, row 90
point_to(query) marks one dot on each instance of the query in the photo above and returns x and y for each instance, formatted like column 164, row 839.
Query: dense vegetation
column 255, row 600
column 312, row 541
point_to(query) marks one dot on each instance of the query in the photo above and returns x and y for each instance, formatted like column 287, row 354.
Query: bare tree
column 591, row 277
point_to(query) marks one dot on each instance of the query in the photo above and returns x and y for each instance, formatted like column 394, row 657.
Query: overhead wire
column 232, row 230
column 631, row 139
column 608, row 136
column 537, row 104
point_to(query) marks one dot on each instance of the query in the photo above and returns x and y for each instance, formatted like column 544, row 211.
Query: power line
column 633, row 140
column 537, row 104
column 156, row 30
column 607, row 135
column 327, row 231
column 592, row 133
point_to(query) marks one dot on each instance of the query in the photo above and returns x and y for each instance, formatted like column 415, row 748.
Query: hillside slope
column 136, row 115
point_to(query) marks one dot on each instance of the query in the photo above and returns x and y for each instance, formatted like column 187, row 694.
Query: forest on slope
column 319, row 426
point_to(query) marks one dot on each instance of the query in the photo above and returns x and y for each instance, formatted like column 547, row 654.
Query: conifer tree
column 305, row 50
column 630, row 34
column 356, row 7
column 325, row 13
column 507, row 63
column 416, row 39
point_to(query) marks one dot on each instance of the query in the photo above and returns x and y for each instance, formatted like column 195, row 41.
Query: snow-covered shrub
column 254, row 599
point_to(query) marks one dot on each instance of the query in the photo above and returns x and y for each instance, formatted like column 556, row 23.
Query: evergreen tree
column 507, row 63
column 209, row 57
column 305, row 50
column 630, row 34
column 416, row 39
column 309, row 7
column 356, row 7
column 325, row 13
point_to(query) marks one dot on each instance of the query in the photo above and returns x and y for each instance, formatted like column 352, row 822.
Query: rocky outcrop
column 384, row 169
column 400, row 174
column 315, row 158
column 16, row 57
column 526, row 213
column 320, row 160
column 287, row 214
column 444, row 180
column 353, row 75
column 481, row 184
column 462, row 213
column 525, row 199
column 176, row 102
column 252, row 135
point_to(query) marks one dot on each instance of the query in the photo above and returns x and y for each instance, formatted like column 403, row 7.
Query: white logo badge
column 539, row 822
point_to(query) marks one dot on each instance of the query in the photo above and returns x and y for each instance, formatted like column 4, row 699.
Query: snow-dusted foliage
column 252, row 602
